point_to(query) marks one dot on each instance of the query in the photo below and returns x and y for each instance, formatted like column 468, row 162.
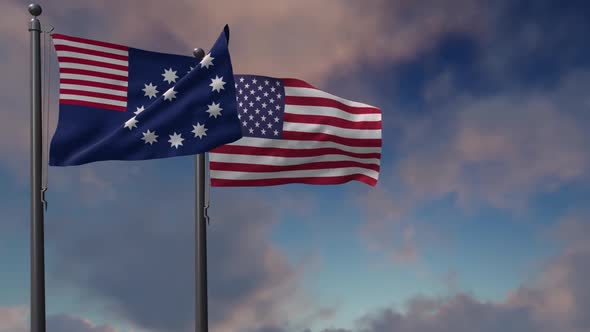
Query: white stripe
column 93, row 89
column 93, row 68
column 92, row 79
column 308, row 92
column 93, row 99
column 330, row 130
column 330, row 111
column 283, row 161
column 231, row 175
column 298, row 145
column 58, row 41
column 92, row 57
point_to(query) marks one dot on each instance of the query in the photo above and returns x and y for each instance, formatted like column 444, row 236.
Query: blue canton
column 261, row 105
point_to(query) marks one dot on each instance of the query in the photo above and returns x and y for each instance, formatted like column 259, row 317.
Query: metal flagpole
column 201, row 312
column 37, row 237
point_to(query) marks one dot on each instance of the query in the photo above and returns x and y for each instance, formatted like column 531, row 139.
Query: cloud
column 68, row 323
column 16, row 319
column 501, row 149
column 13, row 319
column 556, row 299
column 138, row 260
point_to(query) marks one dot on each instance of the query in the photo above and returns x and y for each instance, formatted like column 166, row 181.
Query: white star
column 175, row 140
column 251, row 104
column 239, row 116
column 150, row 137
column 247, row 85
column 278, row 83
column 257, row 98
column 272, row 101
column 241, row 104
column 264, row 105
column 139, row 110
column 190, row 69
column 257, row 124
column 150, row 90
column 214, row 110
column 277, row 107
column 217, row 83
column 241, row 80
column 276, row 133
column 207, row 61
column 245, row 97
column 252, row 92
column 272, row 89
column 263, row 118
column 170, row 75
column 269, row 125
column 170, row 94
column 257, row 111
column 276, row 119
column 131, row 123
column 240, row 91
column 245, row 123
column 199, row 130
column 260, row 88
column 251, row 131
column 269, row 112
column 254, row 81
column 251, row 117
column 266, row 94
column 279, row 95
column 266, row 82
column 245, row 110
column 263, row 131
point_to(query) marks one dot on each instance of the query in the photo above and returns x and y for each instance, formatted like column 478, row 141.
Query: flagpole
column 201, row 312
column 37, row 236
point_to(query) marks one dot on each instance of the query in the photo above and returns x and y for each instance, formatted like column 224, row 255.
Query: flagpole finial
column 199, row 53
column 35, row 9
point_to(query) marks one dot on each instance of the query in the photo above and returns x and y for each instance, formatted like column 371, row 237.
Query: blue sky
column 478, row 222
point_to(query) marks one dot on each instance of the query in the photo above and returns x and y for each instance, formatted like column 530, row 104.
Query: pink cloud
column 16, row 319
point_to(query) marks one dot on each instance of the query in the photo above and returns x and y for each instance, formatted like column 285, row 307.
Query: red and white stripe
column 326, row 140
column 92, row 73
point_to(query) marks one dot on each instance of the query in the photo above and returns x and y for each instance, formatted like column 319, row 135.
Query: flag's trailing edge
column 123, row 103
column 296, row 133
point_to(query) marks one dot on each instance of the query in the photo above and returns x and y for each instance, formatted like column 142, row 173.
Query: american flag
column 296, row 133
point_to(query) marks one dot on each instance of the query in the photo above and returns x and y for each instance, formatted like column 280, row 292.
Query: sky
column 479, row 221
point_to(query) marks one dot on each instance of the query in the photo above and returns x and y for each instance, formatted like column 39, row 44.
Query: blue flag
column 123, row 103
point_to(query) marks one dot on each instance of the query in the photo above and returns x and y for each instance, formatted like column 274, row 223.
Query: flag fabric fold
column 296, row 133
column 123, row 103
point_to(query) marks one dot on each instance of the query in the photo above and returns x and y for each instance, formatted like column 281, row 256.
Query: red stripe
column 321, row 137
column 91, row 52
column 91, row 62
column 331, row 121
column 255, row 168
column 293, row 153
column 91, row 104
column 92, row 94
column 295, row 83
column 326, row 102
column 94, row 84
column 309, row 180
column 91, row 42
column 92, row 73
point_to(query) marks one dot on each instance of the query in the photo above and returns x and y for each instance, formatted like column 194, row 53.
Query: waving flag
column 296, row 133
column 123, row 103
